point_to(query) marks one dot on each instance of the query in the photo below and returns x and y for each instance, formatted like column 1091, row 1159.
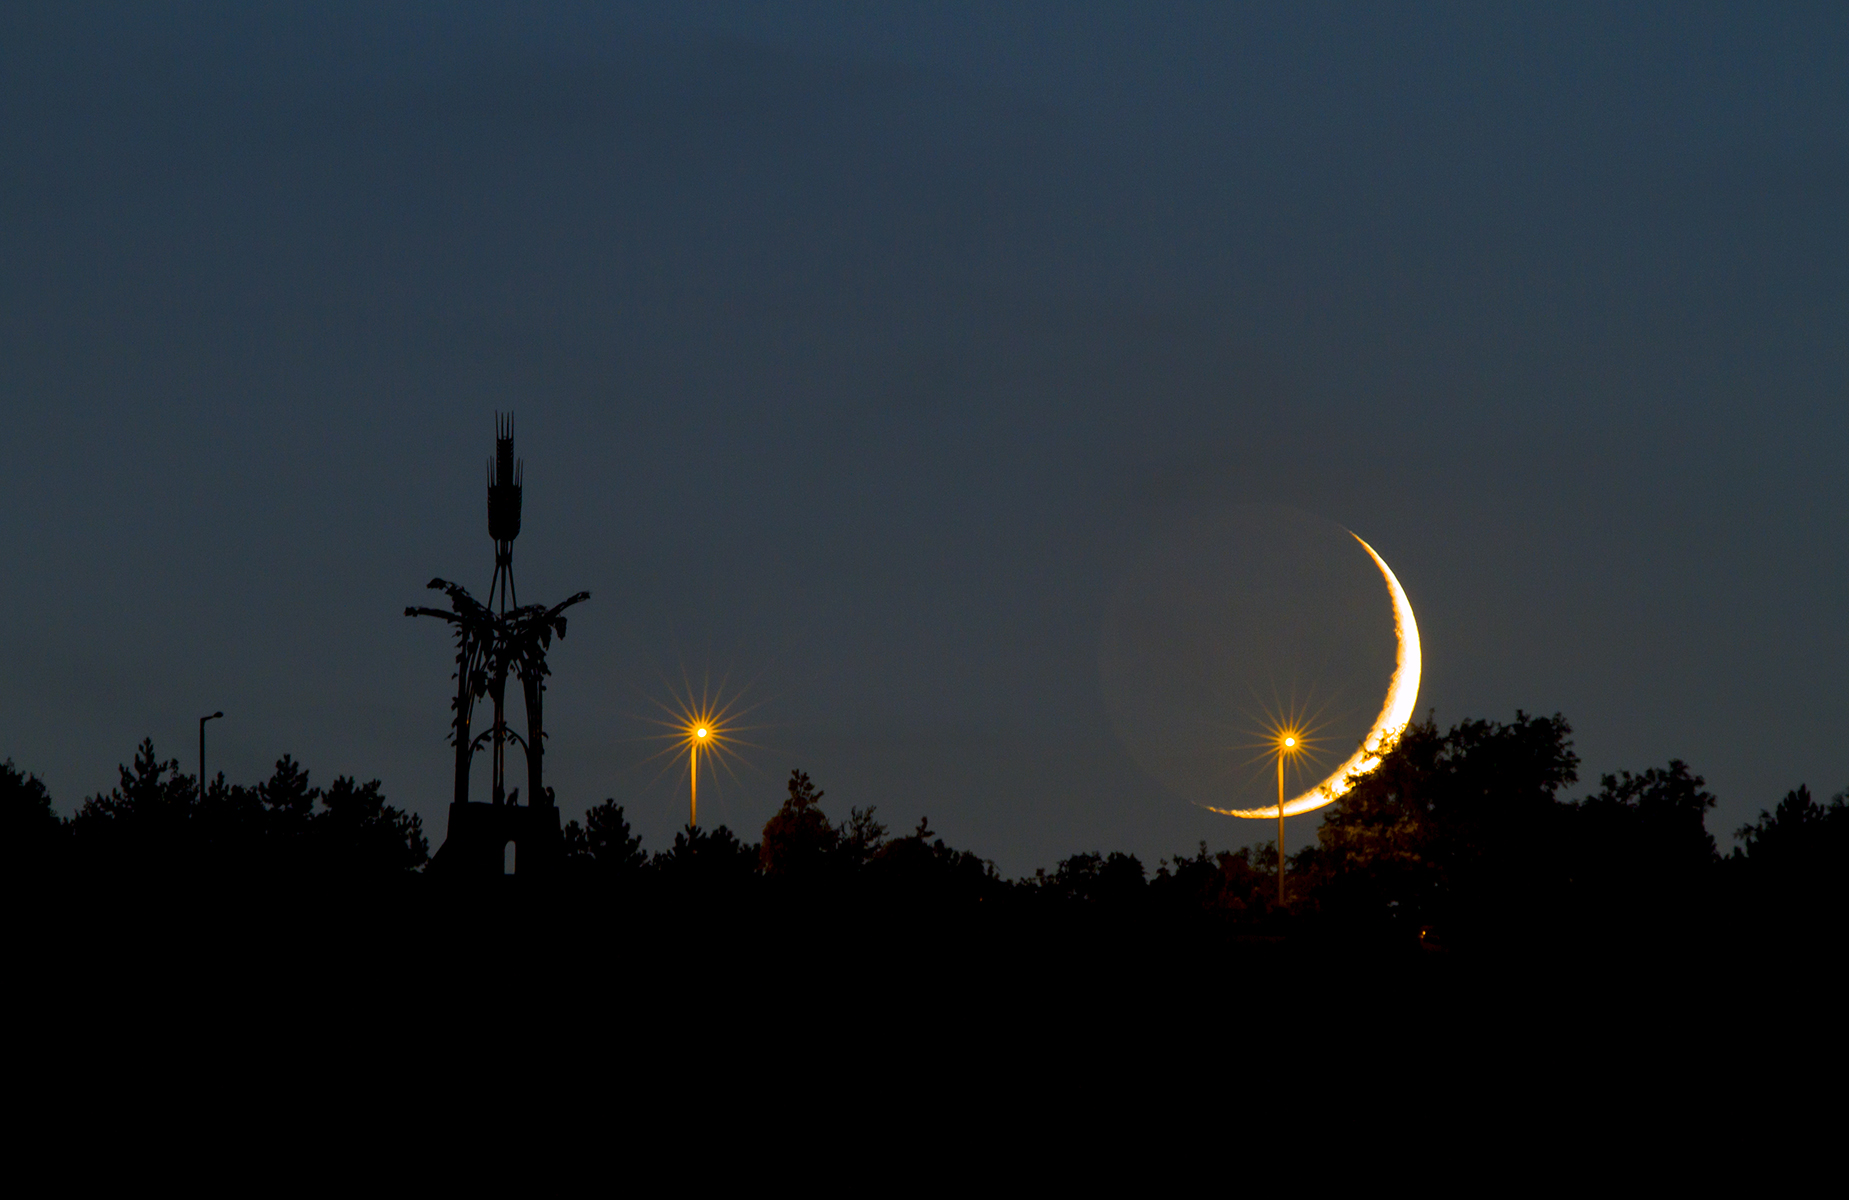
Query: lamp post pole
column 1280, row 831
column 202, row 721
column 1289, row 744
column 700, row 735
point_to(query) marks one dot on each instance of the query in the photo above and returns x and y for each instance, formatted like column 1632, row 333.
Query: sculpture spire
column 504, row 486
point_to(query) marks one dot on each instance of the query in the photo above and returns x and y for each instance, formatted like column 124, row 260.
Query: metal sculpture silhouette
column 490, row 645
column 504, row 493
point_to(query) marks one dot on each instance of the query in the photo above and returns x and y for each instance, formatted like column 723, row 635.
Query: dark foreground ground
column 419, row 975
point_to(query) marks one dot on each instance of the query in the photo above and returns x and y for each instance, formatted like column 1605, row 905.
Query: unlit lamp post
column 202, row 721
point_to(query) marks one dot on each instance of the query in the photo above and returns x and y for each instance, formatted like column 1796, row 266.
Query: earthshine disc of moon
column 1402, row 695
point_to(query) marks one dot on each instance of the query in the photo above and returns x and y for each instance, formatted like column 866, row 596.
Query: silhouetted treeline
column 156, row 824
column 1463, row 837
column 801, row 855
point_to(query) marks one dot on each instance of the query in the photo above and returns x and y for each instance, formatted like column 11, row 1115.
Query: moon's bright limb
column 1402, row 694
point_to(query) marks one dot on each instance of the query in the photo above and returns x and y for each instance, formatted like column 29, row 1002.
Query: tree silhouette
column 357, row 835
column 1641, row 841
column 707, row 867
column 1793, row 863
column 1377, row 846
column 862, row 837
column 233, row 829
column 1498, row 824
column 1116, row 880
column 31, row 830
column 604, row 848
column 141, row 825
column 1239, row 886
column 1463, row 828
column 1798, row 832
column 798, row 840
column 1463, row 831
column 154, row 822
column 921, row 871
column 288, row 799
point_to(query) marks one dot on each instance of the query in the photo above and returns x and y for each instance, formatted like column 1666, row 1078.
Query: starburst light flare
column 1287, row 744
column 704, row 729
column 1395, row 714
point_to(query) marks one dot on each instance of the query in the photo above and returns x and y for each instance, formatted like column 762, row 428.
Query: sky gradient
column 854, row 356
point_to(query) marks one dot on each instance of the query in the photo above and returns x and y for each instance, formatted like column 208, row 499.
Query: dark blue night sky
column 854, row 355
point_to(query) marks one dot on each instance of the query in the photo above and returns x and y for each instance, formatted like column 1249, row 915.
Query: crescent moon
column 1402, row 695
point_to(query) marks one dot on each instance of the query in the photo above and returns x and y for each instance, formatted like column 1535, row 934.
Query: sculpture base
column 479, row 834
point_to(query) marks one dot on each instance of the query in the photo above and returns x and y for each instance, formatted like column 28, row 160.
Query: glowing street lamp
column 701, row 734
column 1289, row 743
column 705, row 727
column 701, row 731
